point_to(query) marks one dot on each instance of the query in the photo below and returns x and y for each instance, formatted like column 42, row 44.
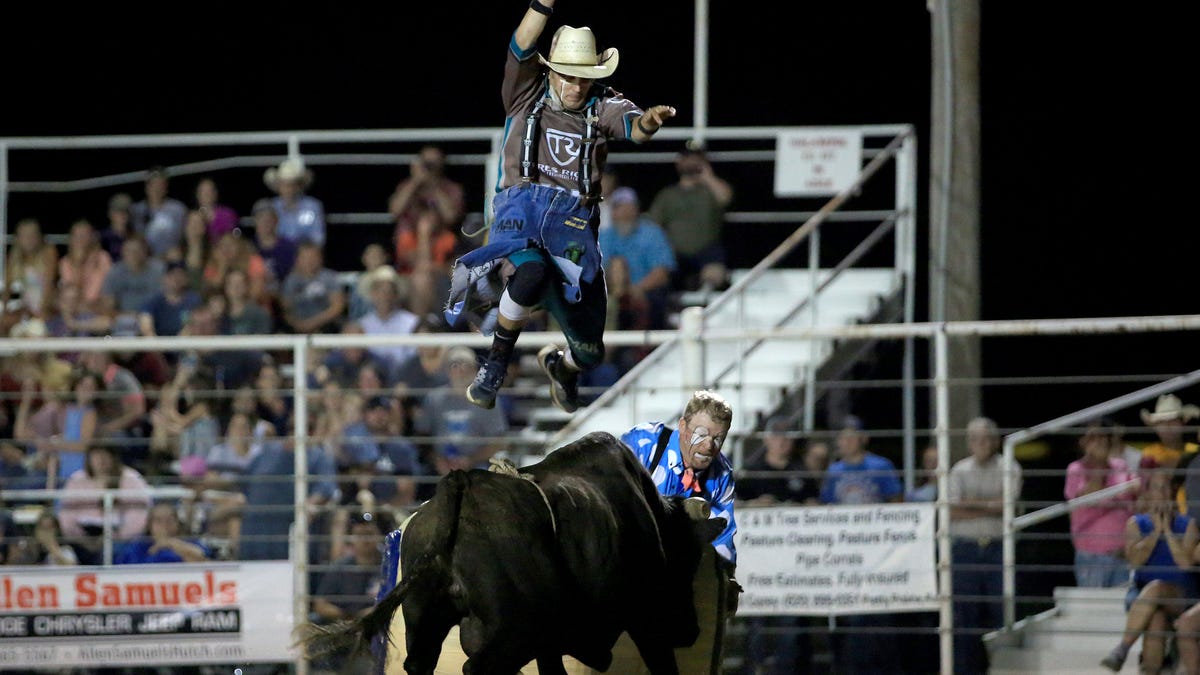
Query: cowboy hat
column 382, row 273
column 32, row 328
column 573, row 52
column 1169, row 407
column 291, row 168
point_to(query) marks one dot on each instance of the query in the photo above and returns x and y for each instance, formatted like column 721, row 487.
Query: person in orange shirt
column 85, row 265
column 426, row 206
column 233, row 252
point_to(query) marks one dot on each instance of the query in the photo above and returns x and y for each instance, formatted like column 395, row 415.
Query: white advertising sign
column 816, row 162
column 831, row 560
column 146, row 615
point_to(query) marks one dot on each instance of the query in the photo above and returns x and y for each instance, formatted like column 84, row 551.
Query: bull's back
column 609, row 516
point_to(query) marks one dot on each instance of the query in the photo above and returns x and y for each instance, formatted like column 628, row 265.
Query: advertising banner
column 220, row 613
column 831, row 560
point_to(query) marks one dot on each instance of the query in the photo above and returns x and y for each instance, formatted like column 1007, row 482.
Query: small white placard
column 816, row 162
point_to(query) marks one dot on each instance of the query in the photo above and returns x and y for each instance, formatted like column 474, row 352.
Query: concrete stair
column 1084, row 625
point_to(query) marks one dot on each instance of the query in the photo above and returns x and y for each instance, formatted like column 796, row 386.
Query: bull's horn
column 697, row 507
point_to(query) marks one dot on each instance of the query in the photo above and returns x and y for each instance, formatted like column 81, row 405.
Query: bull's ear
column 712, row 528
column 697, row 508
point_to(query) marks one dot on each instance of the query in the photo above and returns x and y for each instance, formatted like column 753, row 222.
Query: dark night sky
column 1081, row 112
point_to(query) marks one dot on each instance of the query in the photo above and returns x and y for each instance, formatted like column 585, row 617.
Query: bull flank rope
column 505, row 467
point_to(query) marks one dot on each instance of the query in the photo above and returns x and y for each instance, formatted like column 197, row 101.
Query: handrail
column 993, row 328
column 1056, row 424
column 1063, row 508
column 98, row 493
column 436, row 135
column 770, row 260
column 236, row 162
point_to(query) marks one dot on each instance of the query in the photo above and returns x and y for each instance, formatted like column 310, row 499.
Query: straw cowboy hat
column 1169, row 407
column 31, row 328
column 382, row 273
column 291, row 168
column 573, row 52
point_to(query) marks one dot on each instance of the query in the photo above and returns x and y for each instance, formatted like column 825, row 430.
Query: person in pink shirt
column 83, row 516
column 219, row 218
column 1098, row 531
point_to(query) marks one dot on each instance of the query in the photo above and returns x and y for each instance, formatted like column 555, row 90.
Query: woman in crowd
column 30, row 274
column 1160, row 545
column 45, row 547
column 161, row 542
column 59, row 433
column 194, row 250
column 234, row 252
column 219, row 219
column 1098, row 531
column 182, row 424
column 83, row 515
column 86, row 264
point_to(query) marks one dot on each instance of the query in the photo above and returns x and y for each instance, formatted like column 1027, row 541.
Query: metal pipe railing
column 1063, row 508
column 941, row 351
column 107, row 499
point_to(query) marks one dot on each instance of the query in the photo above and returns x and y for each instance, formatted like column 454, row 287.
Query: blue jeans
column 1100, row 570
column 978, row 586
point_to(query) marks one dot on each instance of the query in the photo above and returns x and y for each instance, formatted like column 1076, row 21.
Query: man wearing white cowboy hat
column 1168, row 418
column 1170, row 451
column 301, row 216
column 545, row 215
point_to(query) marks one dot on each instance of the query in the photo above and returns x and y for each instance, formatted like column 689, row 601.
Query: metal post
column 108, row 530
column 293, row 144
column 3, row 217
column 691, row 325
column 741, row 361
column 1010, row 544
column 945, row 579
column 300, row 440
column 810, row 372
column 906, row 192
column 700, row 75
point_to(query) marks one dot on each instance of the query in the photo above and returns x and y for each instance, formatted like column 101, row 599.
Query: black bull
column 536, row 570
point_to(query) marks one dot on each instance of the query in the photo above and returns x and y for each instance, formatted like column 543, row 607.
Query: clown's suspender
column 529, row 146
column 531, row 124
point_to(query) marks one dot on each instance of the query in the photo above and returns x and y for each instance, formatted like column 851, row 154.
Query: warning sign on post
column 816, row 162
column 831, row 560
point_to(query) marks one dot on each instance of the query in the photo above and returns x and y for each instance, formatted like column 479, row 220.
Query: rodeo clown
column 541, row 249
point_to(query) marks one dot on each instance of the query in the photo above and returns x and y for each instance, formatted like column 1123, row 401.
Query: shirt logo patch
column 564, row 147
column 577, row 223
